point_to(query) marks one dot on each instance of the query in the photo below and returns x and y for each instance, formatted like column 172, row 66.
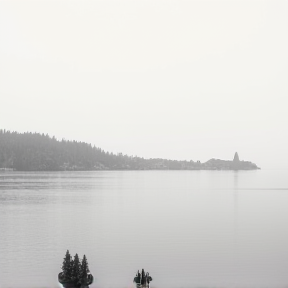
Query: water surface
column 187, row 228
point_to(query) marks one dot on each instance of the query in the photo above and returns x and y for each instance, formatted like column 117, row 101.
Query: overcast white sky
column 171, row 79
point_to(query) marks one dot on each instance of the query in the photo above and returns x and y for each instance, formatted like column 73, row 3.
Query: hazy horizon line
column 93, row 145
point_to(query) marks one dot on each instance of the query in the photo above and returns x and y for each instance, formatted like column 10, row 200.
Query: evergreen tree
column 71, row 269
column 67, row 266
column 84, row 268
column 76, row 267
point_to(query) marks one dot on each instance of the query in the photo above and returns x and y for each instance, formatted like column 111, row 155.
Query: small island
column 39, row 152
column 75, row 274
column 235, row 164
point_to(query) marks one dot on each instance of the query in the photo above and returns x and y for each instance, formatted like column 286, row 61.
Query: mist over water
column 187, row 228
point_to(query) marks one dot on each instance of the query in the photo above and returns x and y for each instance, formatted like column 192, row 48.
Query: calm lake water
column 187, row 228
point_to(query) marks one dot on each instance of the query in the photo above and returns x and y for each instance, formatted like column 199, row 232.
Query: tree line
column 39, row 152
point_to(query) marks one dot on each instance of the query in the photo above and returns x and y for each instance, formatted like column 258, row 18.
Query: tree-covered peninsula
column 39, row 152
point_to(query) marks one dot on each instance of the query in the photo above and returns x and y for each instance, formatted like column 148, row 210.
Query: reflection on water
column 188, row 228
column 235, row 192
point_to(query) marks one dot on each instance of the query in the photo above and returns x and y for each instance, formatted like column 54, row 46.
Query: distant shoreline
column 39, row 152
column 200, row 169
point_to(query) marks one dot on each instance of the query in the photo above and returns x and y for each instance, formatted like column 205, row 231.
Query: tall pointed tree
column 76, row 268
column 66, row 266
column 84, row 268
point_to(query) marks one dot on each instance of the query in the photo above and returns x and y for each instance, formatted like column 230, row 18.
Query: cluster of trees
column 34, row 151
column 73, row 270
column 39, row 152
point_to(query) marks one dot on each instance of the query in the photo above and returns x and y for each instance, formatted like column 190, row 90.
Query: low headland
column 39, row 152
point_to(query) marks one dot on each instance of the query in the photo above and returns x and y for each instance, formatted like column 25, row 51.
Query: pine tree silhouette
column 76, row 268
column 67, row 266
column 84, row 268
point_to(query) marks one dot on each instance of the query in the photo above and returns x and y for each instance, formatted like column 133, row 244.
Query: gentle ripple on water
column 187, row 228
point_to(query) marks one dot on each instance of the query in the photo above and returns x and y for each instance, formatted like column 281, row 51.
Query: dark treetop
column 39, row 152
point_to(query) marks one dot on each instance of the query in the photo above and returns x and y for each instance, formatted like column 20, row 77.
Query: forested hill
column 39, row 152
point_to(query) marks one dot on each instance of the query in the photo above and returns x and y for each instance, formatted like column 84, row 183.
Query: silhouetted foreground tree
column 84, row 271
column 74, row 274
column 67, row 266
column 142, row 279
column 76, row 268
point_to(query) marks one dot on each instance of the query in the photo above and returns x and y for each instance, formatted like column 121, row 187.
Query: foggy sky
column 171, row 79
